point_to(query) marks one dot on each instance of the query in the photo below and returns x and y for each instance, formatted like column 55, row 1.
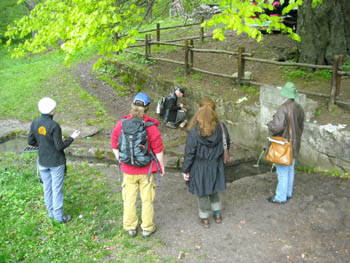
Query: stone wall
column 325, row 147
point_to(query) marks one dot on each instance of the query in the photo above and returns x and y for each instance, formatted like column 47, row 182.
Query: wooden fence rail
column 242, row 58
column 168, row 27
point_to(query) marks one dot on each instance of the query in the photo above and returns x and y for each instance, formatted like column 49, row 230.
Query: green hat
column 289, row 91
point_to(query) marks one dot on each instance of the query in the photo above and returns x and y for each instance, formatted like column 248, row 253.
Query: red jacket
column 154, row 141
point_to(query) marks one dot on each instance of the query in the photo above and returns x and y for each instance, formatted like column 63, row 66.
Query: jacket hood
column 145, row 118
column 212, row 140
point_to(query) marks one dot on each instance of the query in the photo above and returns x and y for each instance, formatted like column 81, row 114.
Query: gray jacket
column 279, row 126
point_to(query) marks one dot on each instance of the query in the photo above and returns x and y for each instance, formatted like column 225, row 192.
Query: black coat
column 204, row 161
column 47, row 135
column 171, row 107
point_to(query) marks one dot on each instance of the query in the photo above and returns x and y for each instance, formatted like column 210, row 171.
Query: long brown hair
column 205, row 118
column 137, row 111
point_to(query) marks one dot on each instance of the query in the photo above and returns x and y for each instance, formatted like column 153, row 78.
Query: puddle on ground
column 16, row 145
column 241, row 170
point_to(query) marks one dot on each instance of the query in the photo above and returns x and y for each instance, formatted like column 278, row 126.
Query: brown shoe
column 205, row 223
column 218, row 218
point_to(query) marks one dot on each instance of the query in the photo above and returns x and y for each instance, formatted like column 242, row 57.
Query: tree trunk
column 324, row 31
column 30, row 4
column 149, row 10
column 177, row 8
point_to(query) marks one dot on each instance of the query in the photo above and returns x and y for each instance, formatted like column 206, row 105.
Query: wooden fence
column 242, row 58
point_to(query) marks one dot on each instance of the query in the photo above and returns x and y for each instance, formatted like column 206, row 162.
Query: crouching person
column 174, row 114
column 46, row 134
column 139, row 163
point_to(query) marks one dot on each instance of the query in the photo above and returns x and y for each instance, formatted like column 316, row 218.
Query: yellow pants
column 131, row 185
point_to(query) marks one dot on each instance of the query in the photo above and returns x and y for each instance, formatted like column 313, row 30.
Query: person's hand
column 163, row 170
column 181, row 105
column 186, row 176
column 75, row 134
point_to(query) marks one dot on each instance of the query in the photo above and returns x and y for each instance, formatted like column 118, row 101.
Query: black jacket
column 204, row 161
column 171, row 107
column 46, row 134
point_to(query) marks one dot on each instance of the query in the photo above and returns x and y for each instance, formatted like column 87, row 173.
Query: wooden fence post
column 334, row 83
column 116, row 38
column 146, row 46
column 191, row 52
column 149, row 45
column 186, row 58
column 241, row 65
column 158, row 33
column 201, row 32
column 339, row 76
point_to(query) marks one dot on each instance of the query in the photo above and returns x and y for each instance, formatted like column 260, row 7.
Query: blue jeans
column 285, row 174
column 53, row 190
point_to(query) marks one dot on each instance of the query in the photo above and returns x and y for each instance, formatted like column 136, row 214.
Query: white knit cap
column 46, row 105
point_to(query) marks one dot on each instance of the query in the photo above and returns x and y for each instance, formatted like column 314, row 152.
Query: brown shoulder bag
column 281, row 149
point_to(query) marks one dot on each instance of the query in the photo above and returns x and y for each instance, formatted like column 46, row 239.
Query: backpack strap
column 148, row 124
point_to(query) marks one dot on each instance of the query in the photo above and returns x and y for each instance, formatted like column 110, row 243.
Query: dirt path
column 314, row 226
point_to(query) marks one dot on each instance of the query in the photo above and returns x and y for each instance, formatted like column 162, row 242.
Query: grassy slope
column 24, row 81
column 9, row 11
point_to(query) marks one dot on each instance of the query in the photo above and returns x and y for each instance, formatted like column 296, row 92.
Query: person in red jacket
column 136, row 178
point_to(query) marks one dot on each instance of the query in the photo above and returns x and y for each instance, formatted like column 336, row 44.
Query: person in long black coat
column 203, row 165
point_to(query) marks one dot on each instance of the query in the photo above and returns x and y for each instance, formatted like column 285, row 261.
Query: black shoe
column 289, row 197
column 170, row 125
column 66, row 219
column 272, row 199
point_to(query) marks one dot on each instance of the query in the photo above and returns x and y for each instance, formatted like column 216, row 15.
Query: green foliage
column 251, row 90
column 306, row 169
column 293, row 73
column 318, row 112
column 9, row 12
column 241, row 21
column 79, row 24
column 108, row 75
column 331, row 173
column 95, row 233
column 126, row 79
column 196, row 76
column 97, row 23
column 346, row 65
column 180, row 80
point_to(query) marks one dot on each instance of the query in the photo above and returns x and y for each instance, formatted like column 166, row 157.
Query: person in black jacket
column 174, row 114
column 46, row 134
column 203, row 165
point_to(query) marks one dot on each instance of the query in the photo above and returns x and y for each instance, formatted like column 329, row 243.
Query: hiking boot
column 132, row 232
column 204, row 222
column 147, row 233
column 218, row 218
column 66, row 219
column 170, row 125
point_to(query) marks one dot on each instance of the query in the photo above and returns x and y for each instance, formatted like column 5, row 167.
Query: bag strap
column 223, row 136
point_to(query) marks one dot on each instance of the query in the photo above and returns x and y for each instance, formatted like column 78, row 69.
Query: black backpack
column 133, row 142
column 160, row 106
